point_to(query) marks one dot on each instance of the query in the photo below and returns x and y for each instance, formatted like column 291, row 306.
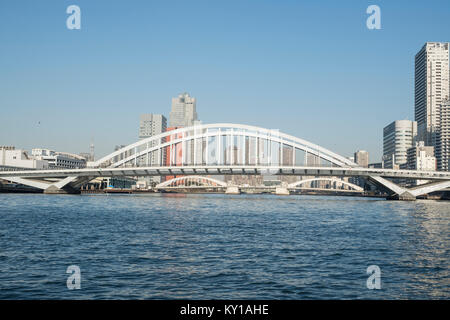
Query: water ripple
column 222, row 247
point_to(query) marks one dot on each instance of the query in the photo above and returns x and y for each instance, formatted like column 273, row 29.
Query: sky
column 311, row 69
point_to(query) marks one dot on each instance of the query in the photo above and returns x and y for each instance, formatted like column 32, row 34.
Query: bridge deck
column 228, row 170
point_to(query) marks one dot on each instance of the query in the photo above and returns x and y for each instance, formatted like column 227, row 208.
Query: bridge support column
column 405, row 196
column 232, row 190
column 282, row 191
column 66, row 190
column 399, row 193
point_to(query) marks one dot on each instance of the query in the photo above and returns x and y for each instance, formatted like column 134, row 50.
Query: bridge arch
column 198, row 179
column 222, row 144
column 330, row 179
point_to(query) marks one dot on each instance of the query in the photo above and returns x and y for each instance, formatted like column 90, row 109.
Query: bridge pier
column 66, row 190
column 232, row 190
column 282, row 191
column 405, row 196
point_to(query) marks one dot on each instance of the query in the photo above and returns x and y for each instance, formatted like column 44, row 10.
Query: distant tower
column 92, row 154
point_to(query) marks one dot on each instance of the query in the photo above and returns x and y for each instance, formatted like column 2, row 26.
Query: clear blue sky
column 309, row 68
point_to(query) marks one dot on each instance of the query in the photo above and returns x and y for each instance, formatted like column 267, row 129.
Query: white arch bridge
column 223, row 149
column 332, row 180
column 203, row 182
column 192, row 181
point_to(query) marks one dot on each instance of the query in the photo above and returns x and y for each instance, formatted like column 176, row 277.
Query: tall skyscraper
column 183, row 113
column 362, row 158
column 398, row 137
column 442, row 147
column 432, row 87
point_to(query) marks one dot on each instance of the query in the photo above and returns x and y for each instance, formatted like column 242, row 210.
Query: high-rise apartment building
column 152, row 125
column 398, row 137
column 432, row 87
column 183, row 113
column 442, row 147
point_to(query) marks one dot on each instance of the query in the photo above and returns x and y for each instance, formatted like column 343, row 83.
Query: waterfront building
column 17, row 158
column 432, row 87
column 398, row 137
column 56, row 159
column 183, row 113
column 442, row 147
column 421, row 157
column 101, row 183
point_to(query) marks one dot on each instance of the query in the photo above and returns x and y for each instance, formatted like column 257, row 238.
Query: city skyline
column 283, row 84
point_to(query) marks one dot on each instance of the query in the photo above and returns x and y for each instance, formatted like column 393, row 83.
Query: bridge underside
column 402, row 193
column 68, row 185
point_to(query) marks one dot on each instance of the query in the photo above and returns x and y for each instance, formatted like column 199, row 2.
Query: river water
column 214, row 246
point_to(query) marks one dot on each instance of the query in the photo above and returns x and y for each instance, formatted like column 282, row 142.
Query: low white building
column 17, row 158
column 59, row 159
column 421, row 157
